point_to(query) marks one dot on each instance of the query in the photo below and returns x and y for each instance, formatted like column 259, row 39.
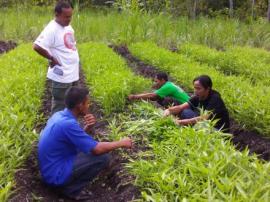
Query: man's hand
column 126, row 142
column 89, row 121
column 166, row 112
column 132, row 97
column 53, row 61
column 182, row 122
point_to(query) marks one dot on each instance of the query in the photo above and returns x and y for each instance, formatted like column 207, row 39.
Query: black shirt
column 215, row 104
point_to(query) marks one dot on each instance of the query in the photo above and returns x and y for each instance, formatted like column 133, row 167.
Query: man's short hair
column 162, row 75
column 74, row 96
column 204, row 80
column 60, row 5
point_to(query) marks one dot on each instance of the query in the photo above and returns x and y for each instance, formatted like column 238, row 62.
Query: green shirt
column 171, row 90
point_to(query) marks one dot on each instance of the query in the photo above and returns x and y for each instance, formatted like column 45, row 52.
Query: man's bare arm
column 143, row 96
column 176, row 109
column 105, row 147
column 46, row 54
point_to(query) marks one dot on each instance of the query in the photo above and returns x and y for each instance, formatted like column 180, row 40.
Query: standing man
column 68, row 157
column 57, row 44
column 167, row 93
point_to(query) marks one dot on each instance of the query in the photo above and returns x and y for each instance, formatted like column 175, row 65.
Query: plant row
column 182, row 164
column 108, row 76
column 22, row 80
column 185, row 164
column 247, row 104
column 252, row 63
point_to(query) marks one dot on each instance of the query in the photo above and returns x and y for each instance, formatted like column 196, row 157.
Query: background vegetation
column 110, row 25
column 192, row 8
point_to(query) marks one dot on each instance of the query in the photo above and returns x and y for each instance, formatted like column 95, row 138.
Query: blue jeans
column 86, row 167
column 188, row 114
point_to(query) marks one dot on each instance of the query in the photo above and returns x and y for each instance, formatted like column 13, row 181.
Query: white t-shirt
column 59, row 41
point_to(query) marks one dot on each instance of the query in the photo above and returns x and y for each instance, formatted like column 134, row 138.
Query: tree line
column 243, row 9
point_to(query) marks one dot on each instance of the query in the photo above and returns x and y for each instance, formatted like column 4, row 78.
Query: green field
column 177, row 163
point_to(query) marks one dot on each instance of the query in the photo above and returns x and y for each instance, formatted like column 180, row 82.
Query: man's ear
column 208, row 90
column 78, row 107
column 81, row 106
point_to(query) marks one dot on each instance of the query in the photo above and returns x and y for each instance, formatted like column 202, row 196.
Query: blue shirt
column 60, row 141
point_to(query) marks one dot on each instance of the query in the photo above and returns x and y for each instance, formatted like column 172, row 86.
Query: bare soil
column 6, row 46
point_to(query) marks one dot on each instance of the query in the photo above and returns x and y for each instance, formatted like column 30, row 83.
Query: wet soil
column 6, row 46
column 112, row 184
column 257, row 143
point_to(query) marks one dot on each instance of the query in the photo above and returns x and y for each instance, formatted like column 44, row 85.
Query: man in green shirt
column 167, row 93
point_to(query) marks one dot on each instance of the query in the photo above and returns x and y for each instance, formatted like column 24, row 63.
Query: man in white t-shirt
column 57, row 44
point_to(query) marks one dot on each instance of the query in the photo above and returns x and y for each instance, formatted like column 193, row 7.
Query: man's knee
column 105, row 159
column 188, row 114
column 167, row 101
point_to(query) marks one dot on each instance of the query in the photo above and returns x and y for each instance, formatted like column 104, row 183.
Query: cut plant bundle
column 23, row 75
column 184, row 164
column 247, row 104
column 108, row 76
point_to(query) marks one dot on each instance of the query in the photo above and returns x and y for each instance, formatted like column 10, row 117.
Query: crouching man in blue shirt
column 68, row 157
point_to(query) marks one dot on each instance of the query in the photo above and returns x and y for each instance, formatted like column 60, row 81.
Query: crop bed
column 242, row 138
column 167, row 162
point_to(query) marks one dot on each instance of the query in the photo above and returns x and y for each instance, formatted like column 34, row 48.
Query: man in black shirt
column 205, row 98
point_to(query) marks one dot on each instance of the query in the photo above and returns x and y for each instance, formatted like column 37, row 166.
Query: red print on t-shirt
column 69, row 41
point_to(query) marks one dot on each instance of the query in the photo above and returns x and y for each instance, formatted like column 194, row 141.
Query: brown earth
column 6, row 46
column 256, row 143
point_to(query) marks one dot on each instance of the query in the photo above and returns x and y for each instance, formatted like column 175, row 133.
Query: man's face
column 200, row 91
column 159, row 83
column 84, row 106
column 64, row 18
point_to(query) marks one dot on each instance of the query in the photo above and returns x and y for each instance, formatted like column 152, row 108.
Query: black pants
column 86, row 168
column 58, row 95
column 167, row 102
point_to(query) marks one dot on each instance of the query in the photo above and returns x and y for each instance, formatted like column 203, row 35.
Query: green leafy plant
column 23, row 75
column 252, row 63
column 247, row 104
column 184, row 164
column 125, row 27
column 108, row 76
